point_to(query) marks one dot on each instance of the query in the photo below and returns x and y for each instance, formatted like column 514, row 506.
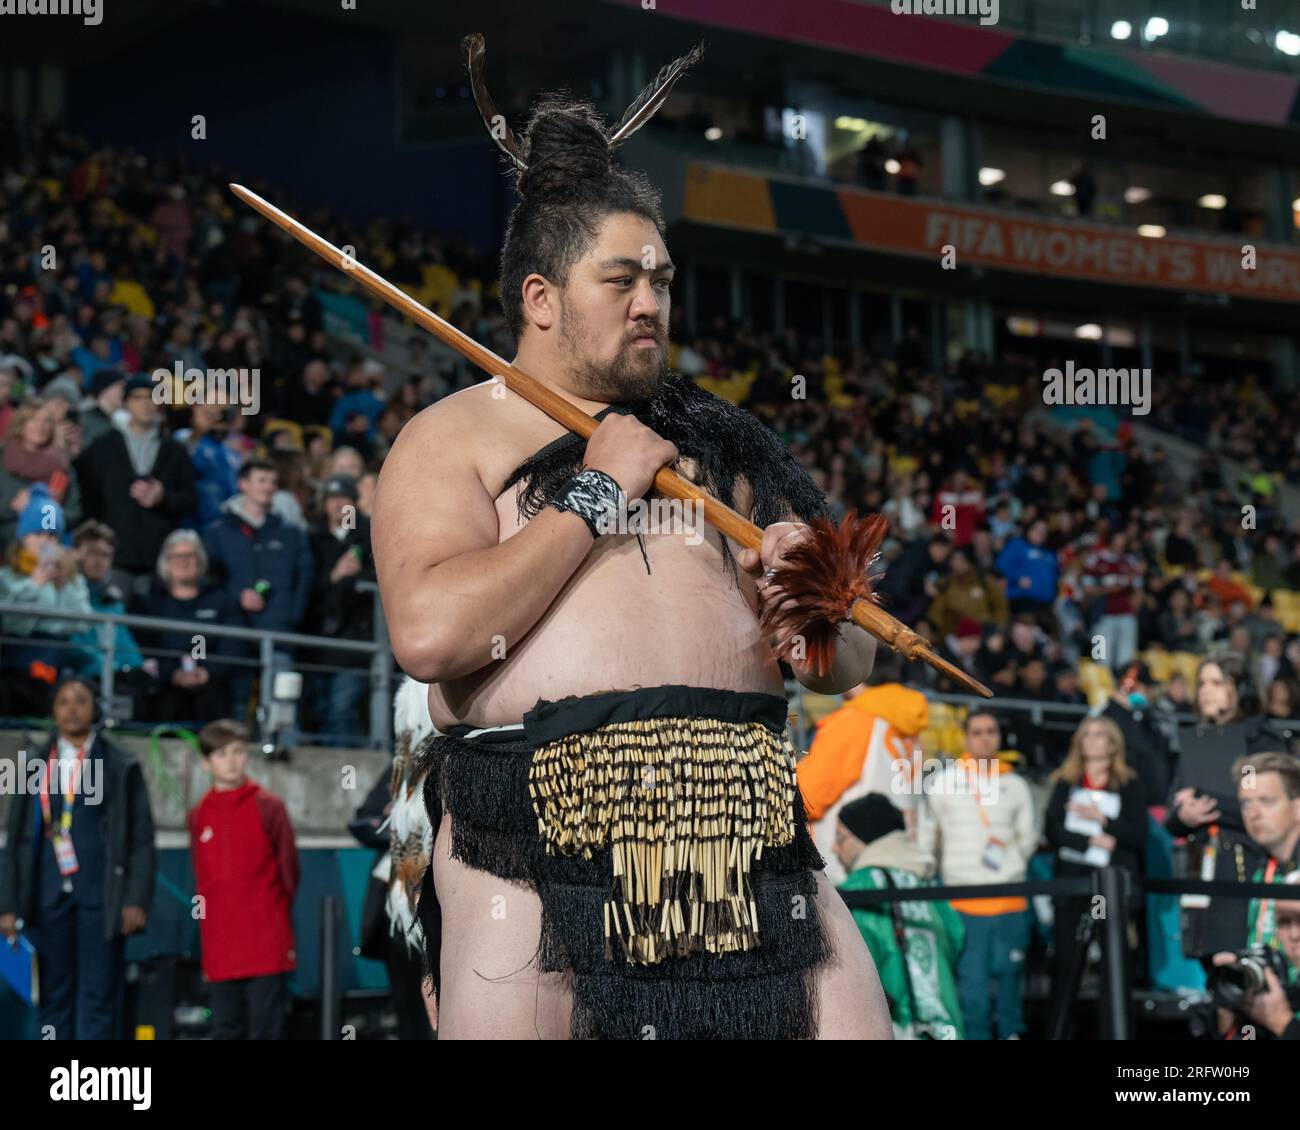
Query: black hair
column 251, row 465
column 566, row 175
column 981, row 712
column 571, row 185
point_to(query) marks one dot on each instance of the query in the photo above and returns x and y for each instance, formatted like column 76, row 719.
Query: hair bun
column 566, row 146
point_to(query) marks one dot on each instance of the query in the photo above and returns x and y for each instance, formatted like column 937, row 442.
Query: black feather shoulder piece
column 723, row 440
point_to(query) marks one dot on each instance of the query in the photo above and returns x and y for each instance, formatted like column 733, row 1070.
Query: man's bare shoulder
column 484, row 425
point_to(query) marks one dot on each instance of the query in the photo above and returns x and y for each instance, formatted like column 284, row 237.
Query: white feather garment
column 410, row 834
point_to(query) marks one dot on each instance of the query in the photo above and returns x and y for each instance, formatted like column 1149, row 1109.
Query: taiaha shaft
column 858, row 607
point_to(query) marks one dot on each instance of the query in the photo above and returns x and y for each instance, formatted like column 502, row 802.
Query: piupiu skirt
column 663, row 831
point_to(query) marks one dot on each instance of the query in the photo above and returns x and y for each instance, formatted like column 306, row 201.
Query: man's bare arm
column 450, row 591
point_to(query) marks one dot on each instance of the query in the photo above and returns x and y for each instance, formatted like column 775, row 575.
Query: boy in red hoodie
column 246, row 873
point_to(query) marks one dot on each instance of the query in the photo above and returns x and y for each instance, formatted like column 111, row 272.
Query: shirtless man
column 497, row 612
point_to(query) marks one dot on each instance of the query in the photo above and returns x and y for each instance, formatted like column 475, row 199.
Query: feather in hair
column 475, row 48
column 647, row 103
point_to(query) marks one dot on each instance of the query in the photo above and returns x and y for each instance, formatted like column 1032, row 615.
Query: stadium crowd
column 1015, row 546
column 1056, row 558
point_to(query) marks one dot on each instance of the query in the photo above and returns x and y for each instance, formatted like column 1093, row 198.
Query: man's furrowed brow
column 632, row 264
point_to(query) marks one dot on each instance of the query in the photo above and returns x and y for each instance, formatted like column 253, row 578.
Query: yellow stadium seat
column 1160, row 662
column 1096, row 681
column 1185, row 663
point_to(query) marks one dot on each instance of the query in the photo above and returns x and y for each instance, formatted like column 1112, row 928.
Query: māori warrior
column 621, row 850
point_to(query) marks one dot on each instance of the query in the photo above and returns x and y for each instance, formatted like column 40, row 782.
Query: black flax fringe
column 725, row 442
column 766, row 992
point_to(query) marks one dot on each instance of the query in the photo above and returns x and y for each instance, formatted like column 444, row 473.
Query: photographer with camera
column 1259, row 987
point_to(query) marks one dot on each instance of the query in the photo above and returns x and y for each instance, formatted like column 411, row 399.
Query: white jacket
column 951, row 829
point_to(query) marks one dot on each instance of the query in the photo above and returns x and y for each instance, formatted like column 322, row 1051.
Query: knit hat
column 871, row 817
column 42, row 515
column 139, row 381
column 105, row 379
column 968, row 626
column 64, row 388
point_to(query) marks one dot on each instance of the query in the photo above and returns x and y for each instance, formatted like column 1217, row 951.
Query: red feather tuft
column 820, row 580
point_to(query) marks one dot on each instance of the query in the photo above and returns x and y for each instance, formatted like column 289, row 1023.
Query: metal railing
column 267, row 642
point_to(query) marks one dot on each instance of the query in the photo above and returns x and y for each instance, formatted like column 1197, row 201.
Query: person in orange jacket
column 854, row 752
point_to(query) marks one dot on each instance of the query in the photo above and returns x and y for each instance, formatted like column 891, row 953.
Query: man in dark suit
column 77, row 869
column 140, row 483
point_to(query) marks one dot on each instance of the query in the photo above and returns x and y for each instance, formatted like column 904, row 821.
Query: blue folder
column 18, row 968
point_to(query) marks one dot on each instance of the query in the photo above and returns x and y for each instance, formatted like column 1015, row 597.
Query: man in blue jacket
column 264, row 563
column 1032, row 572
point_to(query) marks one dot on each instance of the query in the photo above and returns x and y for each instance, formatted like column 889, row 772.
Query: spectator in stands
column 868, row 745
column 215, row 463
column 32, row 454
column 106, row 391
column 365, row 380
column 102, row 352
column 246, row 871
column 1065, row 680
column 311, row 400
column 1283, row 699
column 1112, row 576
column 915, row 945
column 1268, row 570
column 1145, row 747
column 1177, row 625
column 346, row 461
column 963, row 648
column 340, row 544
column 1180, row 546
column 1096, row 817
column 912, row 583
column 265, row 564
column 39, row 571
column 1203, row 803
column 978, row 822
column 967, row 592
column 1228, row 589
column 959, row 508
column 8, row 379
column 192, row 687
column 366, row 486
column 294, row 492
column 95, row 544
column 140, row 483
column 62, row 399
column 81, row 901
column 1032, row 572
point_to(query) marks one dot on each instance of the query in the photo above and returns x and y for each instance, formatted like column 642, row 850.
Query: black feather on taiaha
column 819, row 581
column 475, row 48
column 646, row 104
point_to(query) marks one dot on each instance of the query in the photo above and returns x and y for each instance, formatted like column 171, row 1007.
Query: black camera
column 1232, row 986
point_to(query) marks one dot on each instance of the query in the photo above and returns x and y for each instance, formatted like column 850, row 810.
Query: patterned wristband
column 595, row 498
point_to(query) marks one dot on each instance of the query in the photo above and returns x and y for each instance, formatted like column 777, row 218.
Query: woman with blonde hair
column 1096, row 818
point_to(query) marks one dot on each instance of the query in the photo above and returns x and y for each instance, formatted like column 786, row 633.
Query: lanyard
column 1264, row 918
column 969, row 765
column 65, row 816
